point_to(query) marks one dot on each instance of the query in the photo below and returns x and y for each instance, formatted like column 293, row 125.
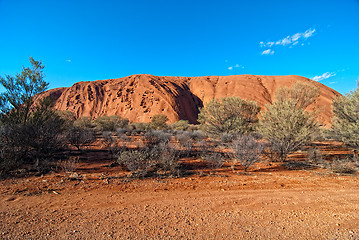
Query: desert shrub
column 161, row 158
column 315, row 156
column 138, row 162
column 302, row 94
column 197, row 135
column 12, row 150
column 229, row 115
column 84, row 122
column 346, row 117
column 155, row 137
column 325, row 134
column 125, row 140
column 227, row 138
column 109, row 140
column 29, row 131
column 167, row 159
column 110, row 123
column 214, row 160
column 80, row 137
column 16, row 105
column 270, row 153
column 185, row 143
column 140, row 127
column 246, row 150
column 202, row 146
column 193, row 127
column 285, row 124
column 180, row 125
column 287, row 128
column 159, row 122
column 69, row 165
column 342, row 166
column 68, row 117
column 35, row 140
column 44, row 129
column 129, row 129
column 121, row 131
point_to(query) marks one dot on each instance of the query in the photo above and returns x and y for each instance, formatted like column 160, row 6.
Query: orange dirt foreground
column 269, row 202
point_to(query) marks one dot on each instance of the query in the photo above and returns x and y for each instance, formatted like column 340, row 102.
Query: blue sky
column 82, row 40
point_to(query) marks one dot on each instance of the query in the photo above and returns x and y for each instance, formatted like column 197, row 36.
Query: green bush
column 158, row 122
column 139, row 127
column 285, row 124
column 230, row 115
column 17, row 102
column 84, row 122
column 110, row 123
column 181, row 125
column 346, row 118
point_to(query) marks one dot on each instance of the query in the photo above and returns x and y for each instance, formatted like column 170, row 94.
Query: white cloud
column 290, row 40
column 268, row 52
column 295, row 37
column 285, row 41
column 309, row 33
column 236, row 66
column 324, row 76
column 68, row 60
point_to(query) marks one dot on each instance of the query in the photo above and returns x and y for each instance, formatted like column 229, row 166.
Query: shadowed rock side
column 139, row 97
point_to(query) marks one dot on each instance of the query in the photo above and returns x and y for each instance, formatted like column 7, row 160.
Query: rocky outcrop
column 139, row 97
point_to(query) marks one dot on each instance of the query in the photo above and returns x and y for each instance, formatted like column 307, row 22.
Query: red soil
column 270, row 202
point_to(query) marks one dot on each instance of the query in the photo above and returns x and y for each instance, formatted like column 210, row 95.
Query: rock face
column 139, row 97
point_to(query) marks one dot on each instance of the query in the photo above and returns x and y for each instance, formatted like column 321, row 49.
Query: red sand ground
column 269, row 202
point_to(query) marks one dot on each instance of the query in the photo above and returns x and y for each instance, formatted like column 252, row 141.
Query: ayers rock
column 139, row 97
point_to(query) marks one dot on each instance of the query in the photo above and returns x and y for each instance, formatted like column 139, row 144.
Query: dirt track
column 262, row 205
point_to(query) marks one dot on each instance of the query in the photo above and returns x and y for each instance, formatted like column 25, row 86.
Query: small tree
column 230, row 115
column 159, row 122
column 346, row 119
column 17, row 101
column 29, row 131
column 286, row 125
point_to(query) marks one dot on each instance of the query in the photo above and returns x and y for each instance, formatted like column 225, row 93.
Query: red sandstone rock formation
column 139, row 97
